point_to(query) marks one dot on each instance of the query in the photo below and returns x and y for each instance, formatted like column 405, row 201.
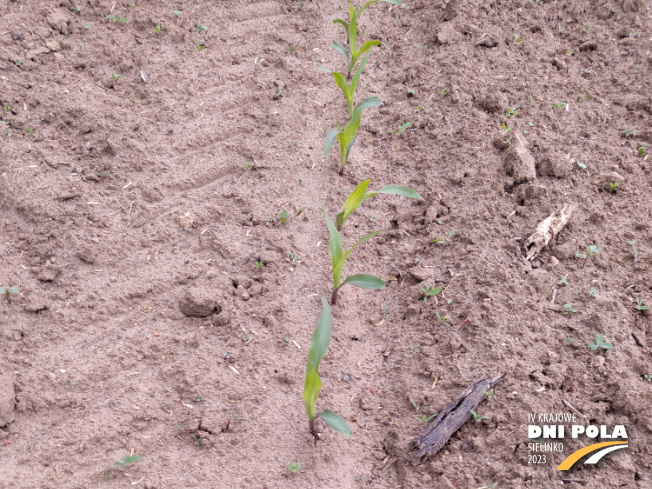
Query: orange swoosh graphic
column 574, row 457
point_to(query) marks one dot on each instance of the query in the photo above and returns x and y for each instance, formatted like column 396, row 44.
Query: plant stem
column 342, row 170
column 334, row 298
column 313, row 430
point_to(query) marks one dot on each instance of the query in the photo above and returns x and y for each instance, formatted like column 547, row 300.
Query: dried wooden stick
column 548, row 229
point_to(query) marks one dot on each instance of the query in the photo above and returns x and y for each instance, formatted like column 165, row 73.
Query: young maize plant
column 360, row 194
column 339, row 257
column 348, row 90
column 346, row 137
column 321, row 339
column 352, row 30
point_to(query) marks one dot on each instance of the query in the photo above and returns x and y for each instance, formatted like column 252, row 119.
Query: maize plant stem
column 334, row 298
column 313, row 430
column 341, row 171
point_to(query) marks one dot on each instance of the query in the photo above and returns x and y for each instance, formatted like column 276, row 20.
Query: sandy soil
column 141, row 175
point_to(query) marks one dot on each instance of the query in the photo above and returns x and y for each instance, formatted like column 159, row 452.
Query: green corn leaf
column 340, row 21
column 340, row 80
column 330, row 139
column 351, row 129
column 336, row 422
column 364, row 281
column 355, row 81
column 323, row 68
column 352, row 202
column 334, row 249
column 338, row 269
column 364, row 48
column 344, row 150
column 342, row 50
column 408, row 192
column 321, row 339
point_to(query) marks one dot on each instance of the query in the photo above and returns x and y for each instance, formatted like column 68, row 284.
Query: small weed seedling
column 319, row 344
column 294, row 467
column 564, row 281
column 360, row 194
column 599, row 344
column 200, row 47
column 589, row 252
column 9, row 292
column 116, row 77
column 401, row 129
column 517, row 38
column 641, row 148
column 634, row 251
column 477, row 417
column 283, row 217
column 346, row 137
column 510, row 112
column 428, row 292
column 568, row 309
column 159, row 28
column 120, row 465
column 352, row 30
column 630, row 132
column 198, row 440
column 424, row 418
column 594, row 292
column 490, row 394
column 640, row 307
column 442, row 319
column 338, row 259
column 447, row 238
column 348, row 90
column 414, row 351
column 260, row 264
column 613, row 187
column 648, row 377
column 561, row 106
column 568, row 340
column 116, row 18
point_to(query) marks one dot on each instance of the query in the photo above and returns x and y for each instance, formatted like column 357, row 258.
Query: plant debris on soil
column 159, row 305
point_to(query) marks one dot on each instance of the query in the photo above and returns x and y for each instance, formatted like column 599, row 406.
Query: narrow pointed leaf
column 342, row 50
column 364, row 281
column 356, row 77
column 408, row 192
column 334, row 249
column 344, row 87
column 321, row 339
column 336, row 422
column 330, row 139
column 351, row 129
column 352, row 202
column 363, row 49
column 340, row 21
column 323, row 68
column 394, row 2
column 366, row 238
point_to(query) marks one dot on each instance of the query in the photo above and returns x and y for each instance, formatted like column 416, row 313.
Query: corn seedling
column 599, row 344
column 401, row 129
column 321, row 339
column 294, row 467
column 120, row 465
column 425, row 419
column 428, row 292
column 346, row 137
column 283, row 216
column 348, row 90
column 360, row 194
column 352, row 30
column 640, row 307
column 338, row 259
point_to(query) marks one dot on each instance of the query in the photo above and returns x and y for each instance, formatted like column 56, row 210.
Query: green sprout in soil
column 200, row 47
column 613, row 187
column 564, row 281
column 589, row 252
column 352, row 30
column 648, row 377
column 338, row 259
column 198, row 440
column 490, row 394
column 116, row 77
column 120, row 465
column 283, row 216
column 428, row 292
column 202, row 29
column 568, row 309
column 294, row 467
column 510, row 112
column 517, row 38
column 594, row 292
column 319, row 344
column 8, row 292
column 599, row 344
column 260, row 264
column 348, row 90
column 630, row 132
column 401, row 129
column 425, row 419
column 446, row 239
column 634, row 251
column 477, row 417
column 640, row 307
column 641, row 148
column 581, row 165
column 360, row 194
column 442, row 319
column 159, row 28
column 234, row 416
column 346, row 137
column 116, row 18
column 414, row 351
column 568, row 340
column 560, row 105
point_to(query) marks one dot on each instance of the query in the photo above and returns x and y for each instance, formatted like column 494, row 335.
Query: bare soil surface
column 141, row 175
